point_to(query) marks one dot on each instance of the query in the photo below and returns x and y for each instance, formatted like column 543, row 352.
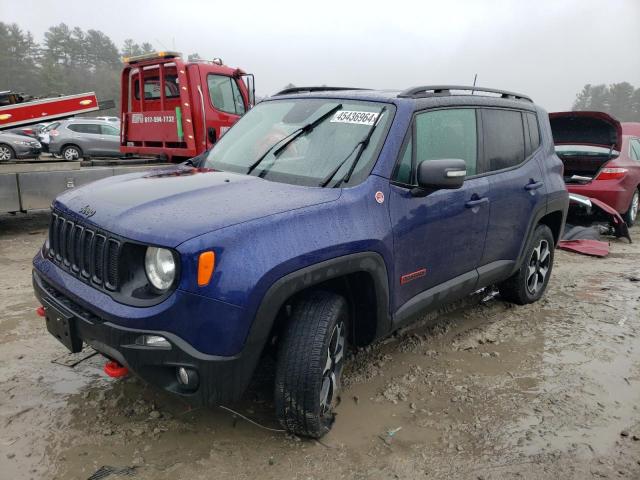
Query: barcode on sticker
column 351, row 116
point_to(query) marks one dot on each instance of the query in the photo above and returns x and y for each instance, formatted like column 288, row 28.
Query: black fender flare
column 560, row 204
column 282, row 289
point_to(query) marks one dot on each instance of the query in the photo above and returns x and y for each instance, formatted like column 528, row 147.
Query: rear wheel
column 6, row 153
column 632, row 214
column 310, row 360
column 71, row 153
column 529, row 283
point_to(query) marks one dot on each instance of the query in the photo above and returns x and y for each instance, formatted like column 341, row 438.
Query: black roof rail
column 288, row 91
column 443, row 90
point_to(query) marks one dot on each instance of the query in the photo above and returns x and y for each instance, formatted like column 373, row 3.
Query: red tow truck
column 200, row 101
column 183, row 108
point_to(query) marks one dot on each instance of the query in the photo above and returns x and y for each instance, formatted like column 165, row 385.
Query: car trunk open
column 585, row 142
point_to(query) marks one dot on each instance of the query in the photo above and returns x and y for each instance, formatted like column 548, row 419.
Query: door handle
column 476, row 202
column 533, row 186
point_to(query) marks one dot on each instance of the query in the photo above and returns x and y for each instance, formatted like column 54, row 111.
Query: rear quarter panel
column 551, row 165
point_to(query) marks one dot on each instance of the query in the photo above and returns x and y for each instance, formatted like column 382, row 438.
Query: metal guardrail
column 25, row 188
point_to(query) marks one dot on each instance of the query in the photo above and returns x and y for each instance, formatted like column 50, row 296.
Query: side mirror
column 447, row 173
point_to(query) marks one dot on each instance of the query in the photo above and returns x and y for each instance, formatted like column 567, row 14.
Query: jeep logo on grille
column 87, row 211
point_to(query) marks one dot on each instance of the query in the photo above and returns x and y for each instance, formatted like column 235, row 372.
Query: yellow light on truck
column 5, row 116
column 206, row 265
column 150, row 56
column 86, row 102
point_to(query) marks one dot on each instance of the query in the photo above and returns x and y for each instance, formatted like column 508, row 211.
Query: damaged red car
column 601, row 158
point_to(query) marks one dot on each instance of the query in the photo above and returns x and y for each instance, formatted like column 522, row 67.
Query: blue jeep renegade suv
column 323, row 218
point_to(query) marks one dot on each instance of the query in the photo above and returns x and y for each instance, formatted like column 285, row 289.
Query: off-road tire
column 68, row 149
column 304, row 354
column 631, row 215
column 6, row 153
column 518, row 288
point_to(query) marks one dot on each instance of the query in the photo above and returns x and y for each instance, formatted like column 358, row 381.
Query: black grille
column 90, row 254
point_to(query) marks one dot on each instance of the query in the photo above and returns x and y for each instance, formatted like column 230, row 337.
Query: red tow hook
column 40, row 311
column 115, row 370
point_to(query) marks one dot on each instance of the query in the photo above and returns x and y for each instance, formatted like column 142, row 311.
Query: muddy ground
column 491, row 391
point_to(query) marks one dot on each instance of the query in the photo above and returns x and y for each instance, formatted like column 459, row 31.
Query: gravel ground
column 486, row 391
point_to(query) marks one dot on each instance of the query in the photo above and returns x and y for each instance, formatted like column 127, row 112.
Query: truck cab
column 183, row 108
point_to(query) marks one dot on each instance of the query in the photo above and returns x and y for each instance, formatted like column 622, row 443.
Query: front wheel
column 530, row 281
column 311, row 356
column 631, row 215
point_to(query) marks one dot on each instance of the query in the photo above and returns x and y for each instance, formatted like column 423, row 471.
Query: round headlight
column 160, row 267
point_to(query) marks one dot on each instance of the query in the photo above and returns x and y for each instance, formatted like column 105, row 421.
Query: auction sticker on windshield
column 351, row 116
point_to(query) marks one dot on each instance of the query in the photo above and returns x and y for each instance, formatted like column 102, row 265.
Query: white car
column 108, row 119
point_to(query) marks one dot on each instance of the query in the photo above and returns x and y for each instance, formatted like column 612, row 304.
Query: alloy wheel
column 5, row 153
column 635, row 201
column 71, row 154
column 333, row 368
column 538, row 267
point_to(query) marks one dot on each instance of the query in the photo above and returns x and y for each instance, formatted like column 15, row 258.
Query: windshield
column 254, row 144
column 583, row 150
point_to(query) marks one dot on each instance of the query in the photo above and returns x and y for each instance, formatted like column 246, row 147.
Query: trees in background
column 621, row 100
column 69, row 60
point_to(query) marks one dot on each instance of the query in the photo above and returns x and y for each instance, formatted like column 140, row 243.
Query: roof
column 85, row 120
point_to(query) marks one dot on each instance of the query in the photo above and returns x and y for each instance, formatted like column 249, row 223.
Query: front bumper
column 27, row 151
column 221, row 379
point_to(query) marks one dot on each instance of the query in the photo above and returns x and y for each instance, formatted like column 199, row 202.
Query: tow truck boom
column 16, row 112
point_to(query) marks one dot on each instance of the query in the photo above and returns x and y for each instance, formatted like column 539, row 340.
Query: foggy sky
column 546, row 49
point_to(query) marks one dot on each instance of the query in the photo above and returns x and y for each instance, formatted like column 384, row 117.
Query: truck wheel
column 71, row 152
column 310, row 360
column 528, row 284
column 6, row 153
column 632, row 214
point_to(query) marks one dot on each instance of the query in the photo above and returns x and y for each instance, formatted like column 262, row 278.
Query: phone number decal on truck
column 141, row 118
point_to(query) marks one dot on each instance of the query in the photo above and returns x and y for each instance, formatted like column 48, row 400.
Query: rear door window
column 109, row 130
column 92, row 128
column 225, row 94
column 503, row 138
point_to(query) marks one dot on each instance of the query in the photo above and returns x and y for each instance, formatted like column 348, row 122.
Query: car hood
column 169, row 206
column 586, row 128
column 14, row 137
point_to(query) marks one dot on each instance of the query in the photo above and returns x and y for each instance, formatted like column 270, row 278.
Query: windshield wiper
column 363, row 146
column 283, row 143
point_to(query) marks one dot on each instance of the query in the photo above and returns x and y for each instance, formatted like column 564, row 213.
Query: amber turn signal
column 206, row 265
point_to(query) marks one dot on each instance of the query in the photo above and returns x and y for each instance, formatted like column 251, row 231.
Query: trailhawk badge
column 87, row 211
